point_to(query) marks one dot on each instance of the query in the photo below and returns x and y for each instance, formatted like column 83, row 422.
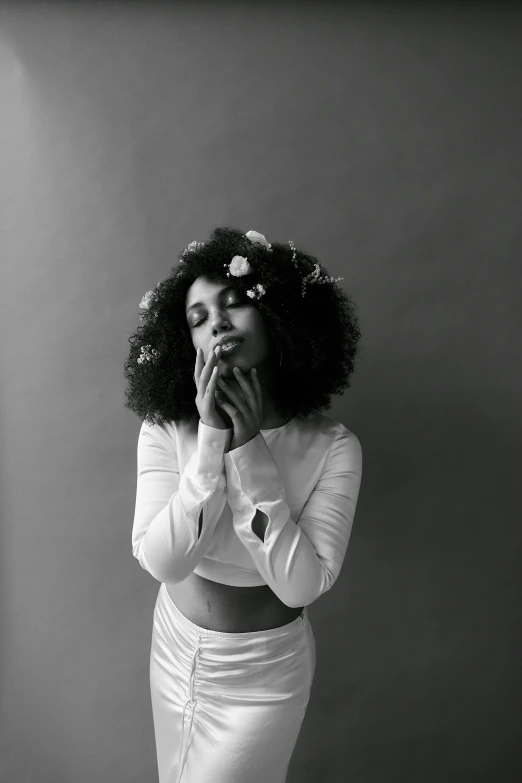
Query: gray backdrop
column 383, row 138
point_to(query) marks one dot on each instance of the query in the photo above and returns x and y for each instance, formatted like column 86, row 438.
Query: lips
column 233, row 345
column 225, row 340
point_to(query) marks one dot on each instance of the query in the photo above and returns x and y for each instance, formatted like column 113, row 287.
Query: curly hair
column 318, row 333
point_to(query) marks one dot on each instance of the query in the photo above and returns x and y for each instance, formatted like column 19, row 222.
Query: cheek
column 260, row 339
column 257, row 323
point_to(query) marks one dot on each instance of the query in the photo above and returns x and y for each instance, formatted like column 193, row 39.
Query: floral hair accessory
column 239, row 266
column 145, row 302
column 192, row 247
column 146, row 355
column 313, row 277
column 256, row 292
column 258, row 239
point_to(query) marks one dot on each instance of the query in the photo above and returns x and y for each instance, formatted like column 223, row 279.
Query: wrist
column 214, row 426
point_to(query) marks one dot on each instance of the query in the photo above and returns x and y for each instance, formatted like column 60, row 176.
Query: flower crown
column 238, row 267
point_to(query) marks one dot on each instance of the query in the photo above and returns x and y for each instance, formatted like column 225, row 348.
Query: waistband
column 191, row 627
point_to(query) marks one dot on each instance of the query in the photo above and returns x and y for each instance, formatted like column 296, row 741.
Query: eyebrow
column 221, row 293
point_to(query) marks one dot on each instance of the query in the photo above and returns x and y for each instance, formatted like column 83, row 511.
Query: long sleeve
column 165, row 533
column 299, row 559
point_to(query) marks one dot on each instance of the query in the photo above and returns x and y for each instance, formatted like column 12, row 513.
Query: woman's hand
column 246, row 412
column 206, row 375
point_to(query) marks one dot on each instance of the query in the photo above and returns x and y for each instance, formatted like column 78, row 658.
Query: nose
column 220, row 324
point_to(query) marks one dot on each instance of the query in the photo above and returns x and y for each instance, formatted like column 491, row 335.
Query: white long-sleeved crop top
column 195, row 504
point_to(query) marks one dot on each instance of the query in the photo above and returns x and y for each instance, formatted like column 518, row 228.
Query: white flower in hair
column 192, row 247
column 258, row 239
column 257, row 291
column 147, row 355
column 145, row 302
column 239, row 266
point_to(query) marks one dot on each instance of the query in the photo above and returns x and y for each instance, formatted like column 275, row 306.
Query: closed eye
column 231, row 304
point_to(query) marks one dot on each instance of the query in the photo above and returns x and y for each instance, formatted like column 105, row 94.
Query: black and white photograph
column 260, row 423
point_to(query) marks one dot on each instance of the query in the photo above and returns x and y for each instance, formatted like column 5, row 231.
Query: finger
column 201, row 364
column 247, row 389
column 234, row 397
column 211, row 362
column 211, row 385
column 198, row 367
column 232, row 412
column 257, row 389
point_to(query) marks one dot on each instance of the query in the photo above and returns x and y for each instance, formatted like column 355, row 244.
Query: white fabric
column 227, row 707
column 305, row 476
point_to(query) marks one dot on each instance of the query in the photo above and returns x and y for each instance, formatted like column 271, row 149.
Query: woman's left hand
column 246, row 412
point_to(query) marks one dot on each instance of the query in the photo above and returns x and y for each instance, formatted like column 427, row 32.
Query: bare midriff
column 230, row 609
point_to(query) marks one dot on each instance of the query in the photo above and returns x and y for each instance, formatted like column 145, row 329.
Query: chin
column 228, row 371
column 235, row 361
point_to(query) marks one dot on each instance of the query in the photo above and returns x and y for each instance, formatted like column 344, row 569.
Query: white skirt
column 227, row 707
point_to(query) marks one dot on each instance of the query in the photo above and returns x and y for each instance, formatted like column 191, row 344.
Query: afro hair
column 317, row 333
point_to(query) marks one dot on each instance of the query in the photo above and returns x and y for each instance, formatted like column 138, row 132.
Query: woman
column 246, row 496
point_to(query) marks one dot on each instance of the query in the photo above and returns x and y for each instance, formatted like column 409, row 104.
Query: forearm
column 173, row 546
column 299, row 559
column 283, row 555
column 176, row 516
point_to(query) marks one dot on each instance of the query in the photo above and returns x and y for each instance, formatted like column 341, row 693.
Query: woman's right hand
column 206, row 377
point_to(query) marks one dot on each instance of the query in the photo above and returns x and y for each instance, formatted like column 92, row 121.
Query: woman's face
column 216, row 310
